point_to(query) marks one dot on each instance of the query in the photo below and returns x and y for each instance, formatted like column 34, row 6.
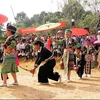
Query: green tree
column 35, row 19
column 2, row 34
column 94, row 6
column 73, row 10
column 22, row 20
column 0, row 29
column 88, row 21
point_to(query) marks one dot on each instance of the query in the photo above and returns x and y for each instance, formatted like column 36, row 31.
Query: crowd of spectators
column 25, row 47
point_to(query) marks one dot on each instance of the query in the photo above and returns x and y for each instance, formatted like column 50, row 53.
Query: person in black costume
column 46, row 70
column 79, row 61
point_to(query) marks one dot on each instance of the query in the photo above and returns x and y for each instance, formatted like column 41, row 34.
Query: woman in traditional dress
column 9, row 60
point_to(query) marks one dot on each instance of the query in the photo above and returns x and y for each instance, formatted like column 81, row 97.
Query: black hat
column 36, row 42
column 11, row 28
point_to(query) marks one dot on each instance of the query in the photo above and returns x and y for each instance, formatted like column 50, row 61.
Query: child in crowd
column 79, row 61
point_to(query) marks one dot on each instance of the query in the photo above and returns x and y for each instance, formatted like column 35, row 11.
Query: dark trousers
column 46, row 71
column 80, row 71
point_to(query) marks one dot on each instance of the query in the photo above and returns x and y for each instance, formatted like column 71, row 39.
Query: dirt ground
column 29, row 88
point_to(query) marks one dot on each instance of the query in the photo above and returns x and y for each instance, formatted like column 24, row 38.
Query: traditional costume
column 68, row 59
column 68, row 54
column 88, row 58
column 79, row 60
column 9, row 59
column 46, row 70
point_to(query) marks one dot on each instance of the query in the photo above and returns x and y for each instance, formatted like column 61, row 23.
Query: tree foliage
column 72, row 9
column 92, row 4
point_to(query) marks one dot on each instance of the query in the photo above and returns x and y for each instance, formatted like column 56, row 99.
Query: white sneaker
column 80, row 78
column 3, row 85
column 68, row 80
column 15, row 83
column 89, row 75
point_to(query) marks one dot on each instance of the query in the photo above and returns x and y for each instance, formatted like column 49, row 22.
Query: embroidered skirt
column 70, row 62
column 9, row 65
